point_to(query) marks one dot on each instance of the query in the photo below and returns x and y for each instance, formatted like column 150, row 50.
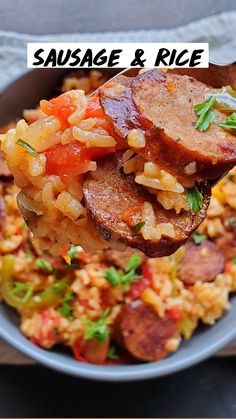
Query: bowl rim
column 112, row 373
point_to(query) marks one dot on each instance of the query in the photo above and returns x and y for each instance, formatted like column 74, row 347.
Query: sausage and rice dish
column 108, row 306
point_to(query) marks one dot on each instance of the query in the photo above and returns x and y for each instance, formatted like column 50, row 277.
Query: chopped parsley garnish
column 205, row 113
column 66, row 309
column 198, row 238
column 72, row 252
column 112, row 353
column 230, row 122
column 19, row 288
column 113, row 276
column 194, row 199
column 27, row 147
column 138, row 227
column 134, row 262
column 45, row 265
column 234, row 261
column 125, row 277
column 97, row 330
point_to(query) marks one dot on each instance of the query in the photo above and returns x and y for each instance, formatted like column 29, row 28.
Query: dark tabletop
column 207, row 390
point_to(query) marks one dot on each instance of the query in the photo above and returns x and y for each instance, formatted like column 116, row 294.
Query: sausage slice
column 227, row 242
column 162, row 105
column 109, row 194
column 201, row 263
column 143, row 334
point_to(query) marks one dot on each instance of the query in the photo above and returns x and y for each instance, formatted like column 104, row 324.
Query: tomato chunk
column 138, row 287
column 94, row 109
column 61, row 107
column 176, row 313
column 90, row 350
column 72, row 159
column 45, row 336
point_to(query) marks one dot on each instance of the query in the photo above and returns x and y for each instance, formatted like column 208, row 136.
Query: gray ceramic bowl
column 25, row 93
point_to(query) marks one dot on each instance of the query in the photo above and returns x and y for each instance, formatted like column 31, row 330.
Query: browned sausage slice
column 143, row 333
column 227, row 242
column 163, row 106
column 109, row 194
column 201, row 263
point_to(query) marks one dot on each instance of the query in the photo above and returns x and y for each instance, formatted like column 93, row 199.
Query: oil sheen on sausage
column 108, row 193
column 201, row 262
column 143, row 334
column 162, row 105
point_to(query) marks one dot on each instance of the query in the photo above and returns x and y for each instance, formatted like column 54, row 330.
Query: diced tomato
column 64, row 251
column 131, row 215
column 138, row 287
column 76, row 348
column 228, row 267
column 176, row 313
column 84, row 302
column 90, row 350
column 72, row 159
column 61, row 107
column 46, row 337
column 147, row 270
column 19, row 231
column 93, row 108
column 107, row 299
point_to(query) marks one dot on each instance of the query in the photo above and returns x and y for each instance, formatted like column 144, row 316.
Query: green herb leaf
column 194, row 199
column 138, row 227
column 45, row 265
column 115, row 277
column 19, row 287
column 112, row 353
column 129, row 277
column 66, row 310
column 234, row 260
column 230, row 122
column 27, row 147
column 112, row 276
column 97, row 329
column 73, row 251
column 134, row 262
column 204, row 111
column 198, row 238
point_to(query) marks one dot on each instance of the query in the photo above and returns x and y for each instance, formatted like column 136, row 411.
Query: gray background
column 55, row 16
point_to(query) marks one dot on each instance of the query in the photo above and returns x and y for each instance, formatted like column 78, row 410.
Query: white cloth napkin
column 218, row 30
